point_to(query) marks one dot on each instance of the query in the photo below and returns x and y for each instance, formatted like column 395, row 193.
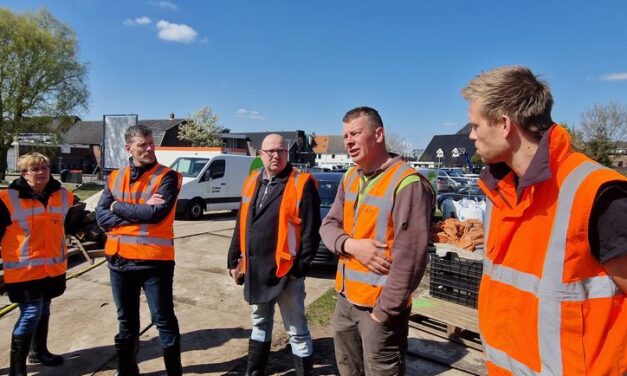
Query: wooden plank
column 450, row 313
column 442, row 351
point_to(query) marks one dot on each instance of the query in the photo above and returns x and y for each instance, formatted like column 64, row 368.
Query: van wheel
column 195, row 209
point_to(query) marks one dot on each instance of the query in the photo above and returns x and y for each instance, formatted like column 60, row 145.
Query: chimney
column 171, row 117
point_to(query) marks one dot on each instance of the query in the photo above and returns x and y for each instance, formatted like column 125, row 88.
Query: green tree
column 603, row 125
column 41, row 77
column 202, row 129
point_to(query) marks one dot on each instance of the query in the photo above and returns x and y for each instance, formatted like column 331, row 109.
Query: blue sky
column 285, row 65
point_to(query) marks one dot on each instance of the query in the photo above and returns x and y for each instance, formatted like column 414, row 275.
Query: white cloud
column 449, row 124
column 254, row 115
column 143, row 21
column 176, row 32
column 167, row 5
column 164, row 5
column 619, row 76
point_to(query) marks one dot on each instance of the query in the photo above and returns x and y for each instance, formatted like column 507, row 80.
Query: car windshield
column 327, row 191
column 189, row 167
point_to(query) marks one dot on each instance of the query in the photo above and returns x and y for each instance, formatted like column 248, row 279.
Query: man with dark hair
column 379, row 226
column 553, row 293
column 274, row 242
column 137, row 208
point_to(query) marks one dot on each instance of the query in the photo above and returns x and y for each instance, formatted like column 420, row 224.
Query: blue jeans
column 30, row 313
column 291, row 302
column 157, row 285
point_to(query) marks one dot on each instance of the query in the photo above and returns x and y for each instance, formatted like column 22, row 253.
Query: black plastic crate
column 455, row 279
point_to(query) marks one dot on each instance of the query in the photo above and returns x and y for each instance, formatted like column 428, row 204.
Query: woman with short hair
column 32, row 217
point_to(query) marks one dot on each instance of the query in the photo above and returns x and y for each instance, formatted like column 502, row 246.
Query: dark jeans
column 364, row 346
column 157, row 285
column 30, row 313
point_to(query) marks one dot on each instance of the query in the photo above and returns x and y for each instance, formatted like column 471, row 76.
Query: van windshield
column 189, row 167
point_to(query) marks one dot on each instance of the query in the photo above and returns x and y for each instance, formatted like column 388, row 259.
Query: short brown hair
column 31, row 160
column 363, row 111
column 516, row 92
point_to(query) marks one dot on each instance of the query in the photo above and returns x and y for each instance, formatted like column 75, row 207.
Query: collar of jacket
column 552, row 149
column 138, row 171
column 25, row 191
column 383, row 167
column 281, row 177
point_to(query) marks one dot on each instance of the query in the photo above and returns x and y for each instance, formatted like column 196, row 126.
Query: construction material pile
column 467, row 235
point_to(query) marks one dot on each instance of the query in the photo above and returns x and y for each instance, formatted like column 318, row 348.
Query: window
column 216, row 169
column 620, row 164
column 332, row 156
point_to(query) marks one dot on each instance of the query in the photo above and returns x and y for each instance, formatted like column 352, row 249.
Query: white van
column 210, row 183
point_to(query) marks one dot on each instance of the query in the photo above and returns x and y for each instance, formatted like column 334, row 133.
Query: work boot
column 258, row 353
column 126, row 350
column 19, row 352
column 39, row 353
column 172, row 359
column 303, row 366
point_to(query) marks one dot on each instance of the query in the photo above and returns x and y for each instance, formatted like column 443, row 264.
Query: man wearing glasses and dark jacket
column 274, row 242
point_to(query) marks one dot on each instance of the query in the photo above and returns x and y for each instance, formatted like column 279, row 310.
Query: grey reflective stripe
column 147, row 193
column 348, row 195
column 65, row 204
column 20, row 216
column 144, row 240
column 550, row 290
column 503, row 360
column 383, row 203
column 291, row 229
column 26, row 263
column 364, row 277
column 117, row 192
column 291, row 238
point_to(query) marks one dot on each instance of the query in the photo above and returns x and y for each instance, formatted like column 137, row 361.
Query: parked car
column 471, row 192
column 328, row 182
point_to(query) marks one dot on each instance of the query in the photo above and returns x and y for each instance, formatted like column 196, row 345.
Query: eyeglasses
column 37, row 169
column 274, row 151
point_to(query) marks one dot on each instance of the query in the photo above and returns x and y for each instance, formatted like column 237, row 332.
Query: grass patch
column 87, row 190
column 320, row 311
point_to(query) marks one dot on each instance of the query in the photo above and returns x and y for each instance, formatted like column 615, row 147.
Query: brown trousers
column 364, row 346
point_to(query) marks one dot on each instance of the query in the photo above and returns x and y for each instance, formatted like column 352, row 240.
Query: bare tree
column 603, row 125
column 397, row 144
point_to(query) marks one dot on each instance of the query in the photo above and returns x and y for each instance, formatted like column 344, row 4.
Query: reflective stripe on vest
column 549, row 290
column 384, row 204
column 22, row 216
column 143, row 241
column 288, row 241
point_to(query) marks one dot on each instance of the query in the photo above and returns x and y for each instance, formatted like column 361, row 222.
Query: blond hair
column 31, row 160
column 516, row 92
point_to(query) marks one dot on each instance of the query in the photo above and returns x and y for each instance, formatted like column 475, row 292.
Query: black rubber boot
column 258, row 353
column 126, row 349
column 172, row 359
column 19, row 352
column 39, row 353
column 303, row 366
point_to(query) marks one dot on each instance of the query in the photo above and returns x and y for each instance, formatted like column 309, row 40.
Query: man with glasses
column 275, row 241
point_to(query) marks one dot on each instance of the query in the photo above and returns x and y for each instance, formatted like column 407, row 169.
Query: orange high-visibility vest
column 141, row 241
column 546, row 305
column 33, row 245
column 289, row 231
column 368, row 215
